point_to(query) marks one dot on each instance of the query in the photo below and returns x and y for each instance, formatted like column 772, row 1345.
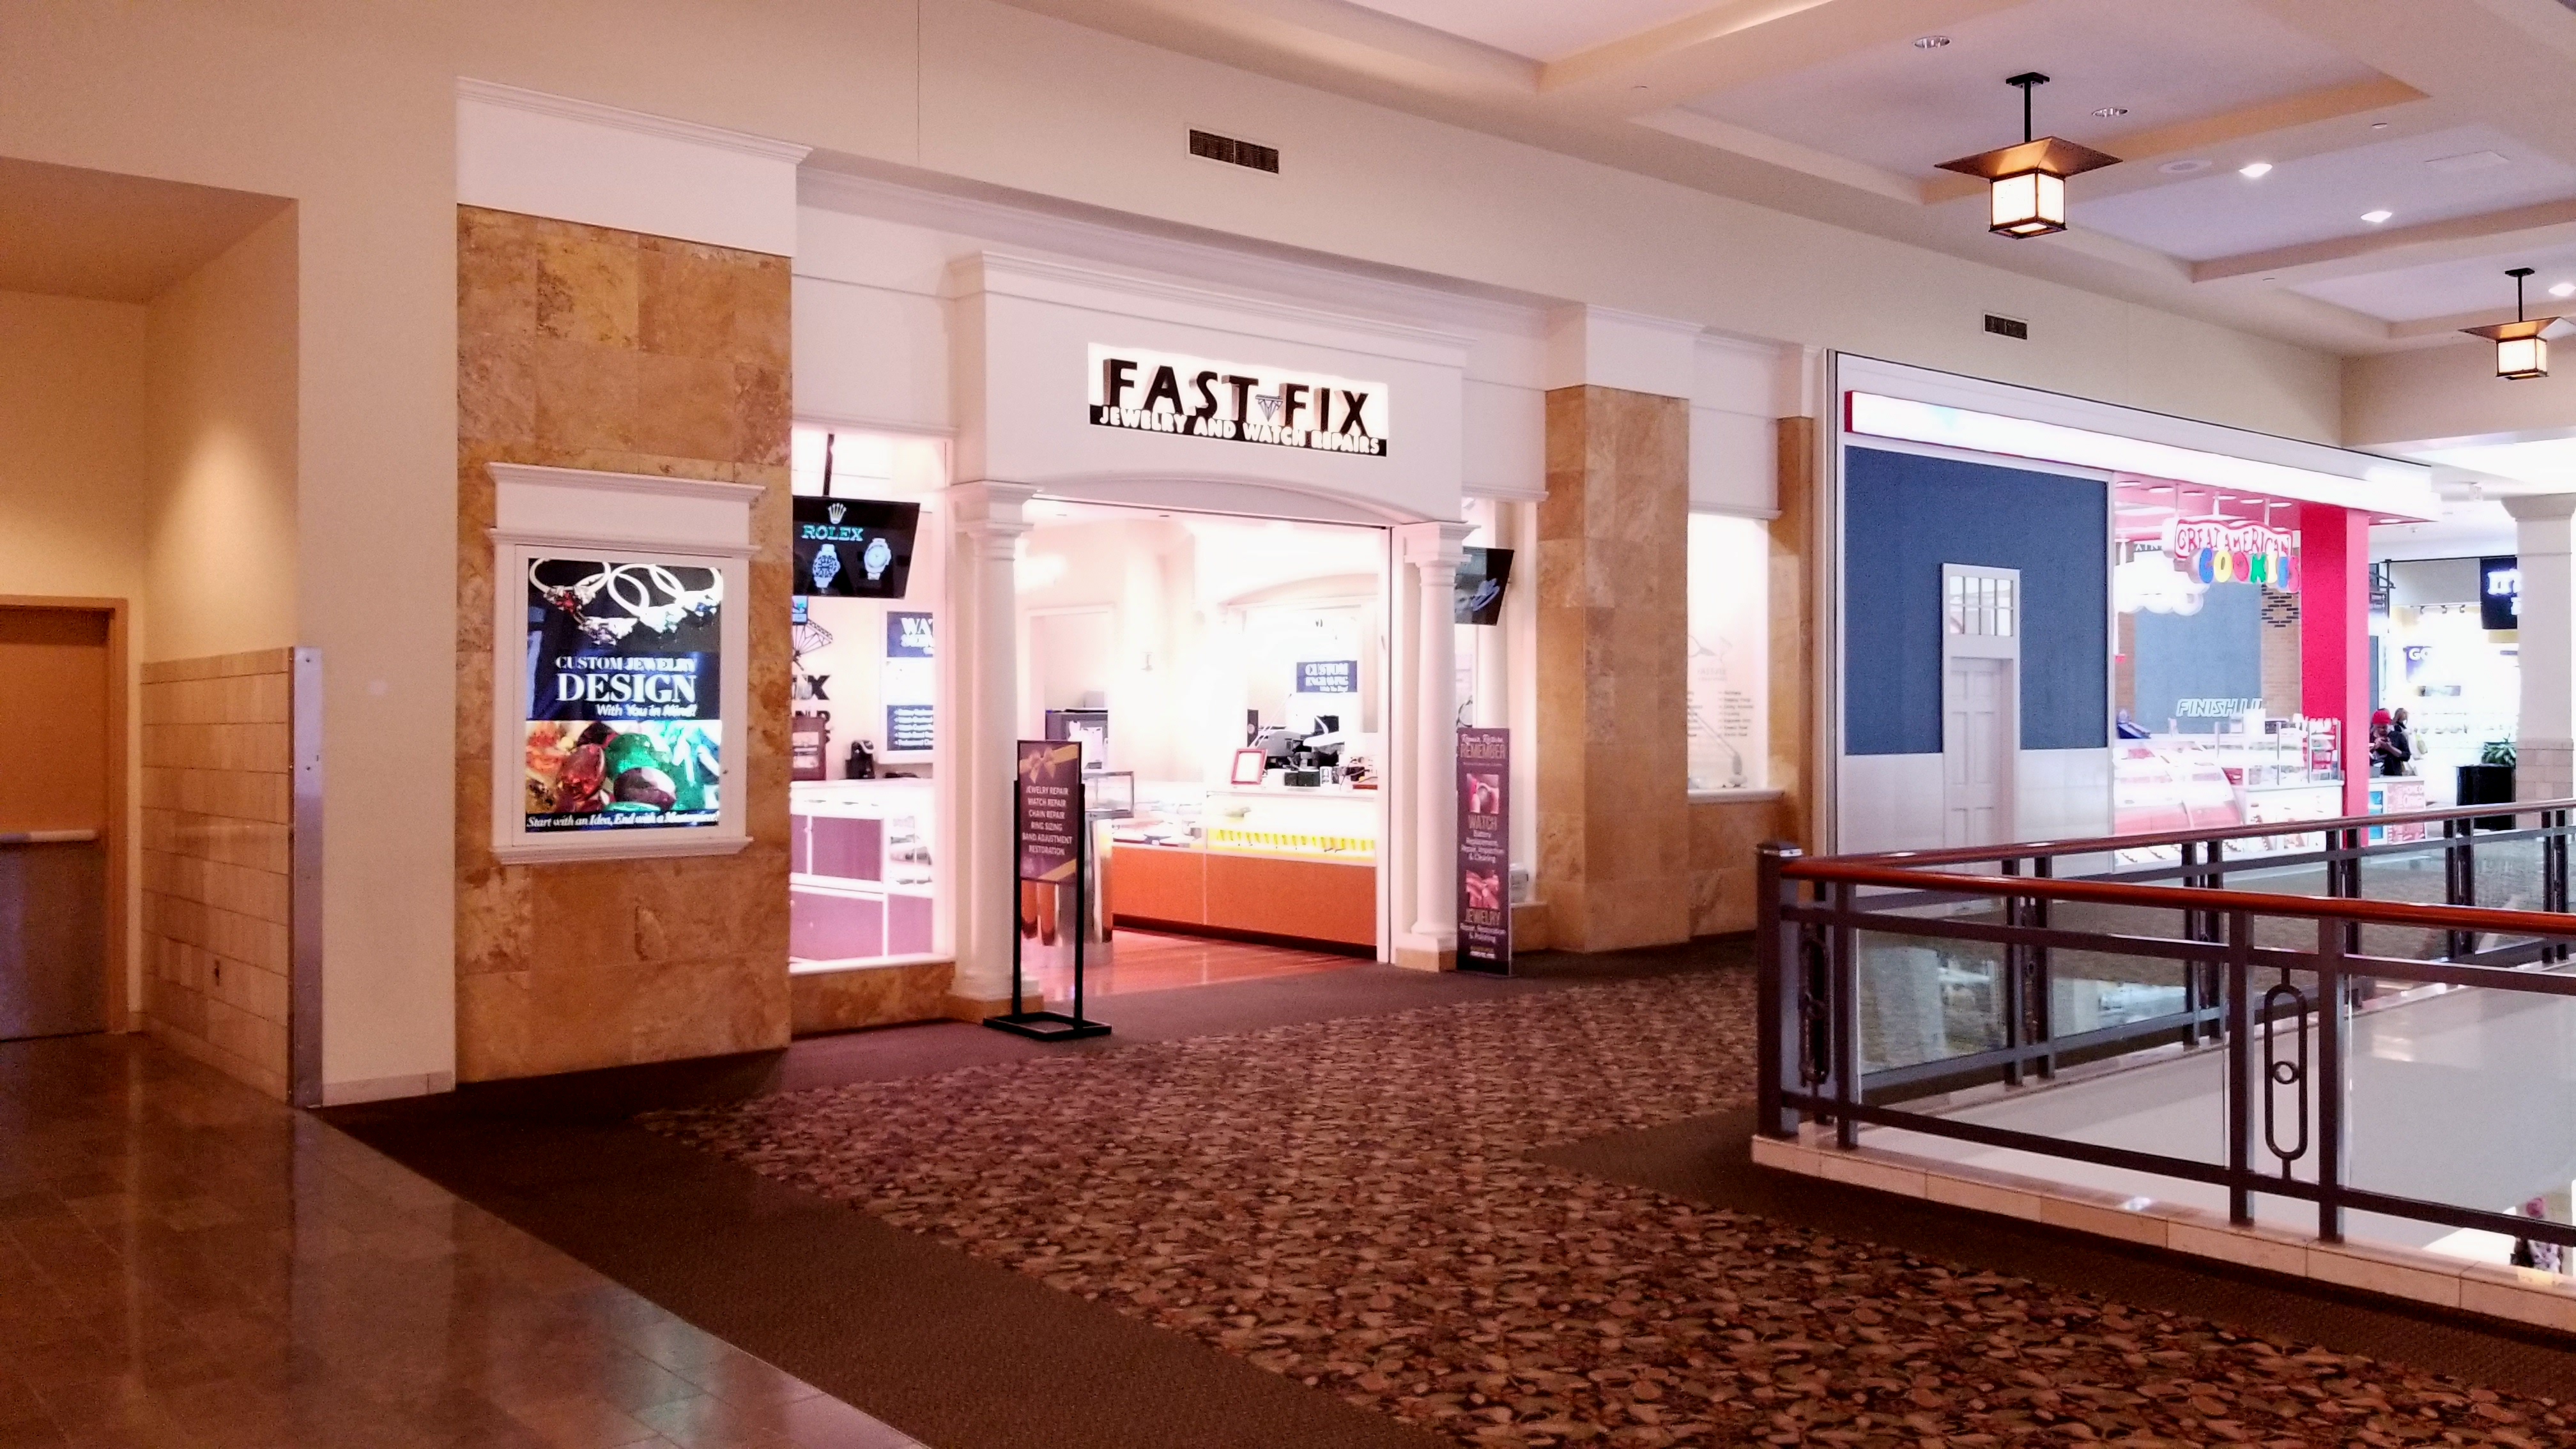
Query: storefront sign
column 624, row 671
column 1050, row 816
column 2500, row 592
column 908, row 636
column 1484, row 850
column 911, row 728
column 854, row 548
column 2232, row 551
column 1166, row 392
column 1328, row 676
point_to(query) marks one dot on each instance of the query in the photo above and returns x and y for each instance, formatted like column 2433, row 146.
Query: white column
column 1493, row 706
column 2545, row 737
column 1433, row 551
column 989, row 519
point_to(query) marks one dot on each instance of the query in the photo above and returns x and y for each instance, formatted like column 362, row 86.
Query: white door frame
column 1982, row 613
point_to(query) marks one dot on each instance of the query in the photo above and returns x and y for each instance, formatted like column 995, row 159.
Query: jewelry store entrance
column 1225, row 678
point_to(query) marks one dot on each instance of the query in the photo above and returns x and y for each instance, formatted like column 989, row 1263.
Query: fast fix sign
column 1194, row 397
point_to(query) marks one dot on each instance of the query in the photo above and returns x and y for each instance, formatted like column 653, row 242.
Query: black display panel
column 854, row 548
column 1481, row 577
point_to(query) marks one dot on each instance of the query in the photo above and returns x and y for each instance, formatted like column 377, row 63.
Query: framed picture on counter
column 1249, row 766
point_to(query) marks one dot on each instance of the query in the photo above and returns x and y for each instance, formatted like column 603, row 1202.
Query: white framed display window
column 621, row 655
column 1728, row 612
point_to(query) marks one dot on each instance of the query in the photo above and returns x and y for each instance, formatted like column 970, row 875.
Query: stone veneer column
column 1613, row 768
column 2545, row 735
column 1433, row 551
column 587, row 347
column 989, row 519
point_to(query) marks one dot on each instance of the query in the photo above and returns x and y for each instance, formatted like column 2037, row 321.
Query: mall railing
column 1830, row 985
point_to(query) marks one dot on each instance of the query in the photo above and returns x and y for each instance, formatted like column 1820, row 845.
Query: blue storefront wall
column 1905, row 515
column 2195, row 669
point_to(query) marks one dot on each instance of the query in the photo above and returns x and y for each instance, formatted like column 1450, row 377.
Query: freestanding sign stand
column 1047, row 825
column 1485, row 851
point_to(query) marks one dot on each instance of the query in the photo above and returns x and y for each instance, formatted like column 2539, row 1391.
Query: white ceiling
column 2417, row 179
column 1539, row 29
column 2453, row 288
column 2548, row 466
column 1906, row 109
column 1826, row 108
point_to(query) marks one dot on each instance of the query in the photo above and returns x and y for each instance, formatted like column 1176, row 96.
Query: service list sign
column 1193, row 397
column 1050, row 809
column 1484, row 850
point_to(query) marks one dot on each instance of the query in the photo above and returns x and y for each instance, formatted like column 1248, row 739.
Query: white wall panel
column 867, row 355
column 1506, row 442
column 1734, row 463
column 543, row 155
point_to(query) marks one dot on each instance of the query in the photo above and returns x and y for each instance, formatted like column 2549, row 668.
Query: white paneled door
column 1980, row 702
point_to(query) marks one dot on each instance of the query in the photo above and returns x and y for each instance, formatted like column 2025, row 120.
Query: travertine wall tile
column 580, row 347
column 1613, row 784
column 217, row 860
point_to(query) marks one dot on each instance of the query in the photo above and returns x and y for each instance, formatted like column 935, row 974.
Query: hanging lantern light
column 2520, row 349
column 2029, row 180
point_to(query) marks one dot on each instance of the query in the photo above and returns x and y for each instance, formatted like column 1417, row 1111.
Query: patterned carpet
column 1347, row 1204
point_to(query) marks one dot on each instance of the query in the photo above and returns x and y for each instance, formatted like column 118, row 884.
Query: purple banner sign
column 1484, row 850
column 1050, row 810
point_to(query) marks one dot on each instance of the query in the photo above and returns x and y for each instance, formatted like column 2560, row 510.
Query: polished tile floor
column 1155, row 961
column 186, row 1263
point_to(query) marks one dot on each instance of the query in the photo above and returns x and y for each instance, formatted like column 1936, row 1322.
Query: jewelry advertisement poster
column 624, row 698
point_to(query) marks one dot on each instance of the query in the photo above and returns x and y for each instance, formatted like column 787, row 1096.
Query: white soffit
column 1539, row 29
column 1938, row 409
column 553, row 156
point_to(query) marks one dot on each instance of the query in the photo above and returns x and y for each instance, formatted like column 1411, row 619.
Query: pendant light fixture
column 2029, row 180
column 2520, row 349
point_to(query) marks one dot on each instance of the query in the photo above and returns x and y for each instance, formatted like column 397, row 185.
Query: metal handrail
column 2489, row 919
column 48, row 837
column 2104, row 844
column 1813, row 911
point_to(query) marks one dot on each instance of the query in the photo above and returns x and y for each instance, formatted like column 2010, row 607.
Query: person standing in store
column 2402, row 741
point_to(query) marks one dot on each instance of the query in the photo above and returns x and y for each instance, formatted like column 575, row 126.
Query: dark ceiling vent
column 1233, row 152
column 2012, row 327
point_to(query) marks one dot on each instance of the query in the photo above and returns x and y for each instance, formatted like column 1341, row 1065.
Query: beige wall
column 349, row 110
column 72, row 507
column 71, row 446
column 220, row 412
column 2451, row 392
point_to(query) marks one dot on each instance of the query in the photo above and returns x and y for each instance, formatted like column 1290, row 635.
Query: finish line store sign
column 1192, row 397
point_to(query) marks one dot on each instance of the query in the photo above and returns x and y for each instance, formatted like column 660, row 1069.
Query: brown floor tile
column 185, row 1265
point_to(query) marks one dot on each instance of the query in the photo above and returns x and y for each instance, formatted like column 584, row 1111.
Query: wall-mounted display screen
column 2500, row 592
column 624, row 726
column 1482, row 574
column 854, row 548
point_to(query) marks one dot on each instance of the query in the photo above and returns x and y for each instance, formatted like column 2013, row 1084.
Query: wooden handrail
column 2025, row 849
column 1859, row 871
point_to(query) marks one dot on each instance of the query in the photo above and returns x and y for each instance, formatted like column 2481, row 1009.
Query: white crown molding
column 743, row 495
column 1082, row 284
column 619, row 118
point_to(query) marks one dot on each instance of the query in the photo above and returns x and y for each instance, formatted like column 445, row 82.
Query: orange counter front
column 1331, row 902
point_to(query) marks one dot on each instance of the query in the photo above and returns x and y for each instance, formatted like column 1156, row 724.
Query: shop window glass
column 1729, row 622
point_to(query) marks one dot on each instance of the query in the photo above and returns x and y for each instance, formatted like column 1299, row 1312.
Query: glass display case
column 2259, row 773
column 861, row 872
column 1291, row 862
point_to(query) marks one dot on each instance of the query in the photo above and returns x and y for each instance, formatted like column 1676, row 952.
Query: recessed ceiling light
column 2563, row 289
column 2379, row 125
column 1930, row 42
column 2376, row 217
column 2183, row 168
column 2255, row 171
column 2107, row 112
